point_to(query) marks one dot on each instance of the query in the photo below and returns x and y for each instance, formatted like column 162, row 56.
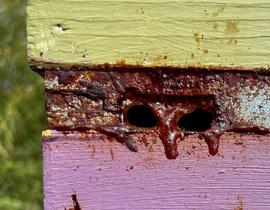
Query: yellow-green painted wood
column 175, row 33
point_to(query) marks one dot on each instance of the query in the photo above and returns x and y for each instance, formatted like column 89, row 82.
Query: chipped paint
column 47, row 133
column 254, row 106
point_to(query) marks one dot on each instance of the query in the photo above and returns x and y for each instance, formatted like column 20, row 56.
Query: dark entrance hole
column 199, row 120
column 141, row 116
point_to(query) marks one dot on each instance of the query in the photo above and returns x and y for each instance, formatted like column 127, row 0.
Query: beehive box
column 154, row 104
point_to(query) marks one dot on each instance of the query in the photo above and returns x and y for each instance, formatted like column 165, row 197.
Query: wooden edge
column 41, row 66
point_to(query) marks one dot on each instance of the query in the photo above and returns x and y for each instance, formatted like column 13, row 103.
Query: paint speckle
column 60, row 27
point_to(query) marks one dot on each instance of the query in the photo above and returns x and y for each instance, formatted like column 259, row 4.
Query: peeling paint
column 254, row 107
column 47, row 133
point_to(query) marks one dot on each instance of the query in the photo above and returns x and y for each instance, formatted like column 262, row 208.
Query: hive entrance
column 199, row 120
column 141, row 116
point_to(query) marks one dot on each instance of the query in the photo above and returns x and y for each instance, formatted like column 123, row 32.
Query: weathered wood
column 100, row 100
column 100, row 58
column 151, row 32
column 102, row 174
column 101, row 97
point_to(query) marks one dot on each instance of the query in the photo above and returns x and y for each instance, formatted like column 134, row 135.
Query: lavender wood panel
column 92, row 172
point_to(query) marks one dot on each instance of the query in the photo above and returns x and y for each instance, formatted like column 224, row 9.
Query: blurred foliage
column 21, row 114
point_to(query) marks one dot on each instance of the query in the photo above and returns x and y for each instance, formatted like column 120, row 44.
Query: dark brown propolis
column 76, row 205
column 172, row 102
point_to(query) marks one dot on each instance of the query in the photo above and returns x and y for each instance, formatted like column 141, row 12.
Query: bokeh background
column 22, row 116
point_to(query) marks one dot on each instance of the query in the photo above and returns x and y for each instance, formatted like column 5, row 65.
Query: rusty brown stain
column 156, row 59
column 239, row 142
column 197, row 38
column 219, row 11
column 92, row 148
column 150, row 148
column 160, row 59
column 120, row 62
column 205, row 51
column 215, row 25
column 241, row 203
column 232, row 27
column 232, row 41
column 199, row 63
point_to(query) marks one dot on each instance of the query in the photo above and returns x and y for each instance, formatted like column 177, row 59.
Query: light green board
column 150, row 32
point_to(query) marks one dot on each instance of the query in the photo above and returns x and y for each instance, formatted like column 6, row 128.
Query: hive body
column 200, row 69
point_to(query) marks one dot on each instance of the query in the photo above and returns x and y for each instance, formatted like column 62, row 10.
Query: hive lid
column 178, row 33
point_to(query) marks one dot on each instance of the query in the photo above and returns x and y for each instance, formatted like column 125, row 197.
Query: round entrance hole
column 141, row 116
column 199, row 120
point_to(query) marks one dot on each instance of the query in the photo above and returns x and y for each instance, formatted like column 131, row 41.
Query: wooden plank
column 175, row 33
column 91, row 171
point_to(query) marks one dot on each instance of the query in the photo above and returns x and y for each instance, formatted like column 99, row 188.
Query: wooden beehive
column 154, row 104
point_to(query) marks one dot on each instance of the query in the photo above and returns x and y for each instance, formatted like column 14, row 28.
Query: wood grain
column 175, row 33
column 103, row 174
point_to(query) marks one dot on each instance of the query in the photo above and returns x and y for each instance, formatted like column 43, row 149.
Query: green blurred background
column 22, row 116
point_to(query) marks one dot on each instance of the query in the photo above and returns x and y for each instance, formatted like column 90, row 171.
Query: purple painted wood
column 91, row 172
